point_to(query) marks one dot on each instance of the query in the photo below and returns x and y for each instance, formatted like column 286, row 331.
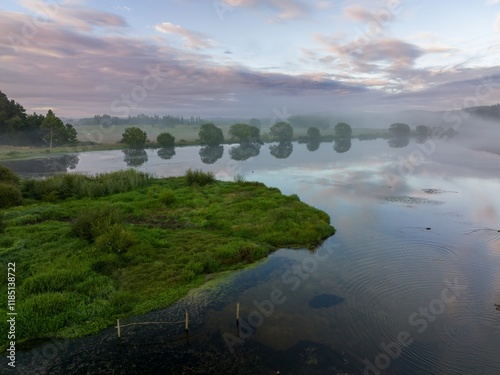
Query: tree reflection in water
column 342, row 145
column 40, row 167
column 166, row 153
column 244, row 152
column 135, row 157
column 398, row 142
column 282, row 150
column 210, row 154
column 313, row 144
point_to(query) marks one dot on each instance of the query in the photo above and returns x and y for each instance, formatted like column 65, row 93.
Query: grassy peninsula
column 90, row 249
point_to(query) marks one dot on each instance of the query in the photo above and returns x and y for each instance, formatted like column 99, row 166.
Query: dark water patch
column 325, row 300
column 410, row 200
column 437, row 191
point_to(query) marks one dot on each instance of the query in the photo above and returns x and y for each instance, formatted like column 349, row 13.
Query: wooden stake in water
column 118, row 326
column 238, row 314
column 187, row 321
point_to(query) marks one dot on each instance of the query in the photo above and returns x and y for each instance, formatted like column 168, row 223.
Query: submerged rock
column 325, row 300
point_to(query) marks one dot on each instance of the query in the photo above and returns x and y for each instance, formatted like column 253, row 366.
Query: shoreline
column 168, row 233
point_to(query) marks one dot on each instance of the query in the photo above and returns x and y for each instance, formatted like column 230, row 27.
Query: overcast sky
column 255, row 58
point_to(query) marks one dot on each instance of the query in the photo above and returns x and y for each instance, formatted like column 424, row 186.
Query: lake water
column 407, row 285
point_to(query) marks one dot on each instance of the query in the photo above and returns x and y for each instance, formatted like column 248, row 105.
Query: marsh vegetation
column 91, row 249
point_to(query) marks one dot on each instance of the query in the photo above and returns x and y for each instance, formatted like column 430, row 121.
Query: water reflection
column 380, row 268
column 313, row 144
column 342, row 145
column 210, row 154
column 134, row 157
column 399, row 142
column 282, row 150
column 166, row 153
column 40, row 167
column 244, row 152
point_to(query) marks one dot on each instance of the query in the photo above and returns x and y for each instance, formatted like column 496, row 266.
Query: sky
column 248, row 58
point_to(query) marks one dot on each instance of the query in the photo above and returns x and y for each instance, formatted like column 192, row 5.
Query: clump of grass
column 67, row 185
column 239, row 178
column 167, row 197
column 96, row 222
column 116, row 239
column 199, row 177
column 54, row 281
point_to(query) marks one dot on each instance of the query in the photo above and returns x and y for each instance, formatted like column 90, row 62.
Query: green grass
column 198, row 177
column 67, row 185
column 83, row 260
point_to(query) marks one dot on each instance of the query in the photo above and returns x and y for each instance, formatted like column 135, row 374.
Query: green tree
column 399, row 129
column 282, row 131
column 210, row 135
column 244, row 134
column 32, row 133
column 343, row 130
column 71, row 136
column 54, row 132
column 134, row 138
column 313, row 133
column 165, row 140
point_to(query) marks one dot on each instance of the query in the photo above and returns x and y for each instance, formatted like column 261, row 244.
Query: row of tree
column 142, row 119
column 19, row 129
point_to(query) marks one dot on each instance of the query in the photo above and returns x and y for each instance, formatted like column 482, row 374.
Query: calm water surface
column 416, row 258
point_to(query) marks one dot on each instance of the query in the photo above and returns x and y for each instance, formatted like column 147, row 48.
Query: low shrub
column 10, row 195
column 7, row 176
column 92, row 224
column 167, row 197
column 198, row 177
column 54, row 281
column 67, row 185
column 116, row 239
column 239, row 178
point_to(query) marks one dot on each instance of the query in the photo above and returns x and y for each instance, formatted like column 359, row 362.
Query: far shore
column 32, row 152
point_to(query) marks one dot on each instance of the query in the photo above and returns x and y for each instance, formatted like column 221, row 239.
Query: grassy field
column 97, row 134
column 189, row 133
column 89, row 250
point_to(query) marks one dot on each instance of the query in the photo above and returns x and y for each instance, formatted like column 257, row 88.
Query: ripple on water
column 488, row 234
column 437, row 191
column 408, row 200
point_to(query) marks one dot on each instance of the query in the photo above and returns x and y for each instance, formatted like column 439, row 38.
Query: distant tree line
column 142, row 119
column 19, row 129
column 487, row 111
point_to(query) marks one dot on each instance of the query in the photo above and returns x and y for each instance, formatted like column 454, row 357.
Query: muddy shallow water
column 407, row 285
